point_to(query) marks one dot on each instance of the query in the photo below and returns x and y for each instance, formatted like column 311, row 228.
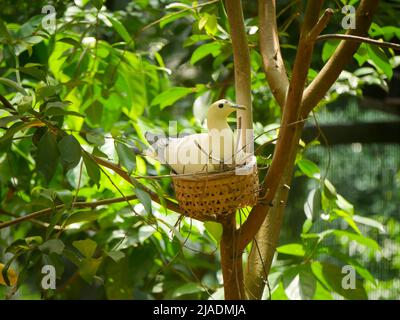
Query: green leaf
column 212, row 25
column 34, row 72
column 11, row 131
column 97, row 4
column 380, row 60
column 6, row 120
column 360, row 239
column 56, row 111
column 144, row 199
column 187, row 288
column 88, row 268
column 213, row 48
column 329, row 189
column 293, row 249
column 169, row 18
column 82, row 216
column 368, row 242
column 95, row 113
column 145, row 232
column 70, row 151
column 116, row 255
column 121, row 30
column 170, row 96
column 47, row 156
column 331, row 276
column 345, row 205
column 127, row 156
column 65, row 196
column 4, row 31
column 86, row 247
column 363, row 272
column 92, row 168
column 95, row 138
column 34, row 240
column 48, row 91
column 348, row 218
column 214, row 229
column 13, row 84
column 71, row 41
column 328, row 49
column 370, row 222
column 53, row 246
column 312, row 206
column 306, row 226
column 209, row 22
column 98, row 153
column 309, row 168
column 203, row 21
column 299, row 283
column 58, row 104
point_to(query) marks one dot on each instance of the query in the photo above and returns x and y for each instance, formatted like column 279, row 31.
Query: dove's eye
column 221, row 105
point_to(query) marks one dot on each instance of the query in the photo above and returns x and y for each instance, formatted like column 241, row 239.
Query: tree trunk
column 231, row 262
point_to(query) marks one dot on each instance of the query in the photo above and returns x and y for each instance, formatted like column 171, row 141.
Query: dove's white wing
column 190, row 154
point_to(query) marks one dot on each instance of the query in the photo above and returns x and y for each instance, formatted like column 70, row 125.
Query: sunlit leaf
column 213, row 48
column 309, row 168
column 293, row 249
column 86, row 247
column 169, row 97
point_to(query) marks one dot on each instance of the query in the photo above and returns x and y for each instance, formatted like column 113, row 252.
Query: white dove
column 203, row 152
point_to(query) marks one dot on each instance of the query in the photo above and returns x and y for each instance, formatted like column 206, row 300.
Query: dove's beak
column 239, row 107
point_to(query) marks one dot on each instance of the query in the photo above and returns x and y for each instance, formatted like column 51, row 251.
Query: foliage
column 90, row 91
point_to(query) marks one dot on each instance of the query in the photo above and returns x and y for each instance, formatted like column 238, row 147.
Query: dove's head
column 222, row 109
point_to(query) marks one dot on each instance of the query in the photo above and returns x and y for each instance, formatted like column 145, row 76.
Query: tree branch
column 274, row 66
column 288, row 135
column 47, row 211
column 341, row 57
column 349, row 37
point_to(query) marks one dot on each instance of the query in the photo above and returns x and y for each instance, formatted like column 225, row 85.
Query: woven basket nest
column 215, row 196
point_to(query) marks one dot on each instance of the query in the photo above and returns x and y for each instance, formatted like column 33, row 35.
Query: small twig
column 349, row 37
column 34, row 221
column 46, row 211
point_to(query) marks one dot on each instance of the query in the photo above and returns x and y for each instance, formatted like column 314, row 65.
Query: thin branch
column 274, row 66
column 349, row 37
column 47, row 211
column 321, row 24
column 343, row 54
column 34, row 221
